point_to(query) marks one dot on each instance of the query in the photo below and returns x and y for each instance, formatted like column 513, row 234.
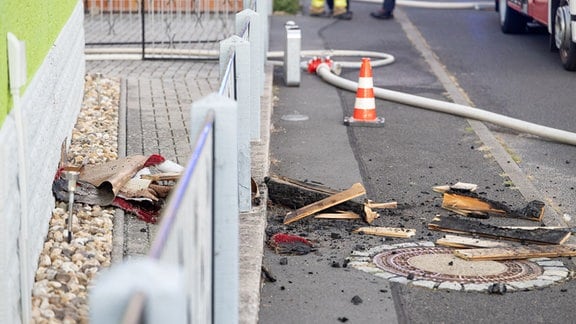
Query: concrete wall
column 50, row 106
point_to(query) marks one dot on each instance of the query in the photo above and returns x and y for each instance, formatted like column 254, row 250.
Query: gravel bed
column 66, row 270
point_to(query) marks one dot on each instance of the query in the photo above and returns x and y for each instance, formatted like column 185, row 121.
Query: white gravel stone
column 385, row 275
column 476, row 287
column 551, row 278
column 65, row 271
column 399, row 279
column 560, row 272
column 368, row 268
column 424, row 283
column 361, row 253
column 550, row 263
column 450, row 285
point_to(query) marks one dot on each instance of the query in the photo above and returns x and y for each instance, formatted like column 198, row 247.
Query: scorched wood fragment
column 464, row 242
column 466, row 226
column 386, row 231
column 296, row 194
column 471, row 204
column 355, row 191
column 518, row 252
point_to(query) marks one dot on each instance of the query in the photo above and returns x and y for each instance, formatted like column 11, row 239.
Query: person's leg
column 389, row 5
column 339, row 7
column 317, row 8
column 386, row 11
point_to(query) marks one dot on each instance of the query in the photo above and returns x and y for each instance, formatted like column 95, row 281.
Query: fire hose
column 327, row 70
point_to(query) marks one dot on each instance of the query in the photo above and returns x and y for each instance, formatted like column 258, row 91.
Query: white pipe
column 553, row 134
column 439, row 5
column 383, row 58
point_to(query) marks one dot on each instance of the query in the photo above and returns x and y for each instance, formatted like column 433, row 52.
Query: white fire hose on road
column 557, row 135
column 325, row 71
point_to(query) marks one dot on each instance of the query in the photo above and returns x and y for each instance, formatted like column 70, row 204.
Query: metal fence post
column 244, row 98
column 226, row 224
column 256, row 65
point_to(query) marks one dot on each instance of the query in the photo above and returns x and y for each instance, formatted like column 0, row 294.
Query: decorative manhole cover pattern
column 424, row 264
column 440, row 264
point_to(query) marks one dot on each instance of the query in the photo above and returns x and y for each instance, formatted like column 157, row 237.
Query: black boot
column 382, row 14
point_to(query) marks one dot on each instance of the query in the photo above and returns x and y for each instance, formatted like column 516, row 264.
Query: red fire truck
column 559, row 16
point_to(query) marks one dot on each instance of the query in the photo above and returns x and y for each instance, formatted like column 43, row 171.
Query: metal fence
column 198, row 238
column 160, row 28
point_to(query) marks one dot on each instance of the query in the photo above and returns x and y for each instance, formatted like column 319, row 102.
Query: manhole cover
column 440, row 264
column 426, row 265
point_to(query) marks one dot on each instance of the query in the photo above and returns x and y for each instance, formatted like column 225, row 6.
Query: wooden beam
column 296, row 194
column 460, row 225
column 386, row 231
column 354, row 191
column 339, row 215
column 465, row 242
column 518, row 252
column 381, row 205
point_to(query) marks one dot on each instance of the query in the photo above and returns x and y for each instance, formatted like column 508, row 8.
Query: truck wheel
column 563, row 37
column 511, row 21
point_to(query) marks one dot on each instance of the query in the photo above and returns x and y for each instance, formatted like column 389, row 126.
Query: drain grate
column 439, row 264
column 425, row 265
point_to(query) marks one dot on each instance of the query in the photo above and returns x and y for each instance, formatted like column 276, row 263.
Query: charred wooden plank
column 354, row 191
column 460, row 225
column 464, row 242
column 518, row 252
column 470, row 204
column 338, row 215
column 296, row 194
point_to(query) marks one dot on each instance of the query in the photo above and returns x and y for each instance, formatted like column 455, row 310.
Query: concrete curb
column 253, row 223
column 118, row 222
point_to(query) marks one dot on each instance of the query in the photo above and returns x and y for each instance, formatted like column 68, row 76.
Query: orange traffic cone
column 365, row 104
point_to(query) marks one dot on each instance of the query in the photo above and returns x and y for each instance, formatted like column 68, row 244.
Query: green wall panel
column 38, row 23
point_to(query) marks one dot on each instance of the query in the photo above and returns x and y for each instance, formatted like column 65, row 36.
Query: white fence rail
column 197, row 245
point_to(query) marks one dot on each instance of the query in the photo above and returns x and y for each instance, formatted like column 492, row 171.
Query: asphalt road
column 447, row 55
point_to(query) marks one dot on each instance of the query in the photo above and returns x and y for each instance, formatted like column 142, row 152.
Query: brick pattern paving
column 157, row 96
column 155, row 102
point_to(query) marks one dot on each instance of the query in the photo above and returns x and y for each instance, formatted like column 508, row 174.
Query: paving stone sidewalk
column 154, row 116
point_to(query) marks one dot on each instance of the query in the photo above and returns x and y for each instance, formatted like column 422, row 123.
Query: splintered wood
column 386, row 231
column 356, row 190
column 469, row 242
column 312, row 198
column 338, row 215
column 458, row 225
column 517, row 252
column 467, row 203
